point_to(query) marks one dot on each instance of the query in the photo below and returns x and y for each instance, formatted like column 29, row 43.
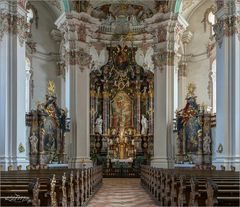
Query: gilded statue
column 51, row 88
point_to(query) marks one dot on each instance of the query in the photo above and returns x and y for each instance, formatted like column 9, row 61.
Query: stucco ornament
column 219, row 31
column 14, row 24
column 81, row 58
column 238, row 27
column 159, row 59
column 3, row 24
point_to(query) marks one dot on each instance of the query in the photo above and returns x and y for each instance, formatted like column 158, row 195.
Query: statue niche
column 121, row 93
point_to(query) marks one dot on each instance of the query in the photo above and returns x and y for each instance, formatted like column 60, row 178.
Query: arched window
column 211, row 21
column 28, row 85
column 30, row 16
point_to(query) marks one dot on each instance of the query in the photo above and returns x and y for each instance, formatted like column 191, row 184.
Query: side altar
column 121, row 107
column 47, row 131
column 194, row 140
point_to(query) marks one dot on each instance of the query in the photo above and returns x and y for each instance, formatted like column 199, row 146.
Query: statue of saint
column 207, row 144
column 144, row 123
column 33, row 141
column 99, row 123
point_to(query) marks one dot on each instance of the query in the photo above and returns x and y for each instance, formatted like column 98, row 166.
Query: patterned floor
column 121, row 192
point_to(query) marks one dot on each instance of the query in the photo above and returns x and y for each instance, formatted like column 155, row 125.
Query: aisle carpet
column 118, row 192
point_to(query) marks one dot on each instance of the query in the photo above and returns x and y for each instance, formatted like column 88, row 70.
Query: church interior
column 110, row 103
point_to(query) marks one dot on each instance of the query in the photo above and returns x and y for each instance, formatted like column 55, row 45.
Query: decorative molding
column 80, row 58
column 182, row 69
column 46, row 56
column 228, row 24
column 15, row 24
column 219, row 31
column 163, row 58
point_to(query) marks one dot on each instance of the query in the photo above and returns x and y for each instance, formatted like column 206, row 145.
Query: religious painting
column 50, row 137
column 121, row 111
column 191, row 130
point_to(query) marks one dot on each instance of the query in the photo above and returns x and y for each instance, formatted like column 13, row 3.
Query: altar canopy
column 121, row 104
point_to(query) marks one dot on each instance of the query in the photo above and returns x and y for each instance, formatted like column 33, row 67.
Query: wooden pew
column 66, row 187
column 185, row 187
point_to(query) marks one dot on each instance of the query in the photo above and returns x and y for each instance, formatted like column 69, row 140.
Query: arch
column 178, row 5
column 66, row 6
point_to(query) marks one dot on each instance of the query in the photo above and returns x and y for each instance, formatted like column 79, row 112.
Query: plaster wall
column 198, row 67
column 44, row 60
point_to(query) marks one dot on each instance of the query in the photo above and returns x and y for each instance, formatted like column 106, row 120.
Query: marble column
column 228, row 86
column 77, row 65
column 14, row 144
column 166, row 44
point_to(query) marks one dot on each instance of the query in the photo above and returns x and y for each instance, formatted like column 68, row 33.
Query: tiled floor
column 121, row 192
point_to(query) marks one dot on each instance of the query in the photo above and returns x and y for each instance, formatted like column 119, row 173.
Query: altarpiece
column 194, row 139
column 47, row 131
column 121, row 103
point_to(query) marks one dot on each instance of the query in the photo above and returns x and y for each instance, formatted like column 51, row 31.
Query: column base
column 80, row 162
column 227, row 162
column 162, row 162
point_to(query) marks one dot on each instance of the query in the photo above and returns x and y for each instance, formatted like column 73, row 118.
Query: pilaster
column 168, row 29
column 13, row 33
column 228, row 93
column 76, row 29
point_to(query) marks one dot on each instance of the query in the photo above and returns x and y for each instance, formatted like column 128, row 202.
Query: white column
column 83, row 119
column 228, row 94
column 163, row 117
column 12, row 92
column 166, row 45
column 77, row 63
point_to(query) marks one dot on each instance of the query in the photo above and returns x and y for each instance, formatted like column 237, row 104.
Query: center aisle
column 117, row 192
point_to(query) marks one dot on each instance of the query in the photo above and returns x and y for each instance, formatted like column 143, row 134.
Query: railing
column 121, row 172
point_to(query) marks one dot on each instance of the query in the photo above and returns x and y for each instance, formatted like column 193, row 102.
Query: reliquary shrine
column 121, row 107
column 47, row 131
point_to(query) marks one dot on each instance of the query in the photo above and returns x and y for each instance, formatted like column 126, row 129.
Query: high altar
column 121, row 103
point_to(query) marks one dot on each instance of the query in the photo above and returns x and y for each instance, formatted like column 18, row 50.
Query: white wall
column 198, row 67
column 44, row 60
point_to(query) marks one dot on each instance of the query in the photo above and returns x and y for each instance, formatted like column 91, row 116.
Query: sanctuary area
column 109, row 103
